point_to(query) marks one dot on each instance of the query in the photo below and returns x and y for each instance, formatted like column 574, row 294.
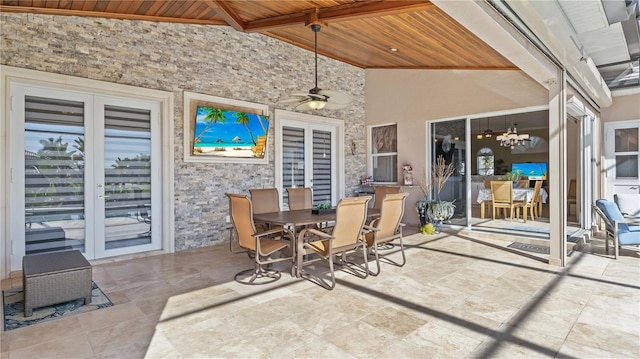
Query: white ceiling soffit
column 482, row 19
column 605, row 43
column 548, row 21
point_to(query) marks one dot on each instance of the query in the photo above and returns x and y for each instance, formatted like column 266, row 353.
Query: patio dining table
column 300, row 218
column 519, row 194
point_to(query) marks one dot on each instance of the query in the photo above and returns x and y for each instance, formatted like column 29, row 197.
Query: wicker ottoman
column 55, row 278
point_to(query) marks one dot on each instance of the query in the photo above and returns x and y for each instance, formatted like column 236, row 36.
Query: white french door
column 308, row 154
column 85, row 173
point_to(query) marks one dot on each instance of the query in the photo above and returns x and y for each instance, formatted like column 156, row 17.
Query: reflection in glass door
column 84, row 169
column 448, row 142
column 54, row 175
column 126, row 177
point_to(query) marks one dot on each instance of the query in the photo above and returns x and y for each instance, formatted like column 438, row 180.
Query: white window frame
column 13, row 75
column 371, row 155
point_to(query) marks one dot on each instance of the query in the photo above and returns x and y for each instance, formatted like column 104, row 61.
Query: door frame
column 282, row 117
column 9, row 75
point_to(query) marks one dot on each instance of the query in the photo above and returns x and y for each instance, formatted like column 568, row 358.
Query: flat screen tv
column 533, row 170
column 228, row 133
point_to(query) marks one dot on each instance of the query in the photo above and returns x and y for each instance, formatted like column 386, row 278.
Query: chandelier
column 511, row 138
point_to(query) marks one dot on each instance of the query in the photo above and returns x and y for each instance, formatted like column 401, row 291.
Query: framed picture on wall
column 222, row 130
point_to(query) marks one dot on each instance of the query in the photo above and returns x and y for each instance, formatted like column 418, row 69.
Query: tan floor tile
column 361, row 339
column 571, row 349
column 68, row 346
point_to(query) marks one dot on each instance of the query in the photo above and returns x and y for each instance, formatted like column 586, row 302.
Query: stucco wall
column 623, row 108
column 412, row 97
column 210, row 60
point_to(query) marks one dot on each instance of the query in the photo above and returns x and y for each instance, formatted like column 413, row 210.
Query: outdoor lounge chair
column 346, row 236
column 622, row 231
column 387, row 228
column 262, row 245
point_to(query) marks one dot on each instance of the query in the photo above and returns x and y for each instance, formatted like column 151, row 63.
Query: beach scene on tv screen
column 533, row 170
column 226, row 133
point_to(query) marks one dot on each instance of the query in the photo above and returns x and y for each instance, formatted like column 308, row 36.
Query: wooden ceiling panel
column 358, row 32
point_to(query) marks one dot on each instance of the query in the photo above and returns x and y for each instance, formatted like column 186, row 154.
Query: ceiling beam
column 337, row 13
column 229, row 15
column 109, row 15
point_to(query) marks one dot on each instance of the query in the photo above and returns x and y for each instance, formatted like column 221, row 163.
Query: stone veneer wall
column 210, row 60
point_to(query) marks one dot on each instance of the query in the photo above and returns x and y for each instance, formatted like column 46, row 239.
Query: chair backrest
column 265, row 200
column 523, row 183
column 536, row 192
column 502, row 191
column 572, row 189
column 628, row 203
column 300, row 198
column 382, row 191
column 487, row 184
column 612, row 214
column 241, row 213
column 351, row 214
column 391, row 214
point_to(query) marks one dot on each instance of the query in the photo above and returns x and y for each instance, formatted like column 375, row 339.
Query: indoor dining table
column 519, row 194
column 300, row 218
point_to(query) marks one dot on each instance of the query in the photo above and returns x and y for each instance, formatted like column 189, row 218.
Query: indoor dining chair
column 502, row 198
column 387, row 228
column 532, row 205
column 263, row 246
column 346, row 236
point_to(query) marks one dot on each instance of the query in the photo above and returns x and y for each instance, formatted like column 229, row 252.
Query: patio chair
column 532, row 206
column 300, row 198
column 387, row 228
column 262, row 245
column 623, row 232
column 380, row 192
column 265, row 200
column 502, row 198
column 346, row 236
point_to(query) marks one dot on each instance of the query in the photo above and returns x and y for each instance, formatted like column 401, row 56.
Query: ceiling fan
column 318, row 98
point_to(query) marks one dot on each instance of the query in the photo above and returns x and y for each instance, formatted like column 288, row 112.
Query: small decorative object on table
column 407, row 173
column 322, row 208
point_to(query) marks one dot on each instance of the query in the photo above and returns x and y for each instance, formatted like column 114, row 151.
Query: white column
column 557, row 178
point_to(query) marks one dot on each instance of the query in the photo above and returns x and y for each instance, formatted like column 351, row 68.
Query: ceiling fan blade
column 303, row 106
column 292, row 100
column 335, row 106
column 336, row 97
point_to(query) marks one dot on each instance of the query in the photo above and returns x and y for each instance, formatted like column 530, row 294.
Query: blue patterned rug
column 13, row 302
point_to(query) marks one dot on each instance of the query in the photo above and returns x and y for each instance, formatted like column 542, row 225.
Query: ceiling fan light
column 316, row 104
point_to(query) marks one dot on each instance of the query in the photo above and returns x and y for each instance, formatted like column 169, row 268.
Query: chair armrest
column 366, row 229
column 320, row 235
column 273, row 231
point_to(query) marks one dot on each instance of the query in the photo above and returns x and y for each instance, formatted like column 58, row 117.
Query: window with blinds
column 322, row 162
column 384, row 155
column 54, row 174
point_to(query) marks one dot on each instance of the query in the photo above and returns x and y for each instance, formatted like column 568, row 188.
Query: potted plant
column 513, row 177
column 436, row 210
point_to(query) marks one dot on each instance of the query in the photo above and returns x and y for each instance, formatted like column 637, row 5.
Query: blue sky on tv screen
column 228, row 129
column 535, row 170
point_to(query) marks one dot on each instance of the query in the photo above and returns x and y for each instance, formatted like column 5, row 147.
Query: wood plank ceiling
column 357, row 32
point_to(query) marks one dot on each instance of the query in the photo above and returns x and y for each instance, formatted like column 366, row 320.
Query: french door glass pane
column 321, row 167
column 127, row 171
column 446, row 143
column 54, row 175
column 292, row 159
column 627, row 167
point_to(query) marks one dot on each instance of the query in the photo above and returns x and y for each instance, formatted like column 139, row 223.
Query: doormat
column 529, row 247
column 13, row 303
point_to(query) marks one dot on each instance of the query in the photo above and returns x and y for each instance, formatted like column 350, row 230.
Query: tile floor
column 457, row 297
